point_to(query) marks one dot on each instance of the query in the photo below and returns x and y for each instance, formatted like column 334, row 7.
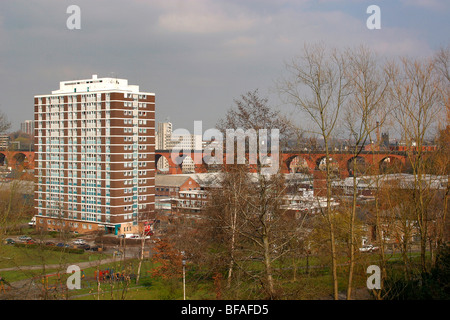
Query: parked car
column 9, row 241
column 84, row 246
column 79, row 242
column 24, row 238
column 368, row 248
column 49, row 243
column 62, row 245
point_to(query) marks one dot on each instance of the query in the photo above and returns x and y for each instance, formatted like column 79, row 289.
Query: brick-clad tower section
column 95, row 152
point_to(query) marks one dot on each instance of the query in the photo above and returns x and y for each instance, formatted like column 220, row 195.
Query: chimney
column 378, row 133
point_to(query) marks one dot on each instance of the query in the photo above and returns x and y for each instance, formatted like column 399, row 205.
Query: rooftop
column 95, row 84
column 170, row 180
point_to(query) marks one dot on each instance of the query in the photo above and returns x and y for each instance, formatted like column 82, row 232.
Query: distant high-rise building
column 4, row 141
column 94, row 162
column 185, row 142
column 28, row 127
column 164, row 135
column 168, row 140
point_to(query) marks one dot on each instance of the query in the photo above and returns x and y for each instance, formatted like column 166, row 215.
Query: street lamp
column 184, row 276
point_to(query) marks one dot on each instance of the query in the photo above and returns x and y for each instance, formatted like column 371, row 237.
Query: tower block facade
column 95, row 152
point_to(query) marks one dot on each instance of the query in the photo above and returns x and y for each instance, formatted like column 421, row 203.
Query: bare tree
column 418, row 103
column 247, row 210
column 251, row 111
column 248, row 205
column 143, row 231
column 442, row 156
column 4, row 123
column 225, row 205
column 365, row 111
column 317, row 86
column 442, row 63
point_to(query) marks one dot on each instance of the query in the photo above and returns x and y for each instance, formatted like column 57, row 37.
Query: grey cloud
column 163, row 47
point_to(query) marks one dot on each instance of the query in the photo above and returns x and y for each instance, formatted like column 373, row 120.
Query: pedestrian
column 2, row 284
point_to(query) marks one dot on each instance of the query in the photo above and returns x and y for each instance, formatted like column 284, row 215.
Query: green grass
column 199, row 286
column 20, row 258
column 13, row 256
column 17, row 275
column 149, row 288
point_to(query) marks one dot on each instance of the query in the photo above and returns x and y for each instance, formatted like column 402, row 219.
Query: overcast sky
column 195, row 55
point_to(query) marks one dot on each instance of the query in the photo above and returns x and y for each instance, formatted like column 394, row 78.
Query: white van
column 32, row 223
column 79, row 242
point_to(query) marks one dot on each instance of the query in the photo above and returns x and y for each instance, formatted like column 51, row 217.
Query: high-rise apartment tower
column 95, row 155
column 28, row 127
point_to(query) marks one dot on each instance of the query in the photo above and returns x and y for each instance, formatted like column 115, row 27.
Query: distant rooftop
column 170, row 180
column 96, row 84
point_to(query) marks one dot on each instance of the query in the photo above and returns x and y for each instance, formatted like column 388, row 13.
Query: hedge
column 53, row 248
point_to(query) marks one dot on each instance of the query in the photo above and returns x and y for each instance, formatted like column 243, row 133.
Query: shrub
column 51, row 248
column 433, row 285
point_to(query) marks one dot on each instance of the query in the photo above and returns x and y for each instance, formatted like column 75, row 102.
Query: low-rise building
column 191, row 200
column 168, row 188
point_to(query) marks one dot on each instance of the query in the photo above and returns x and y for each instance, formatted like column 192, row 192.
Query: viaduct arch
column 301, row 161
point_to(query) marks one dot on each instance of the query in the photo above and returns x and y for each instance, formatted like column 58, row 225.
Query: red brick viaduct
column 302, row 161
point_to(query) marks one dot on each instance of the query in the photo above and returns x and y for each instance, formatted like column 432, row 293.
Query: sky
column 197, row 56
